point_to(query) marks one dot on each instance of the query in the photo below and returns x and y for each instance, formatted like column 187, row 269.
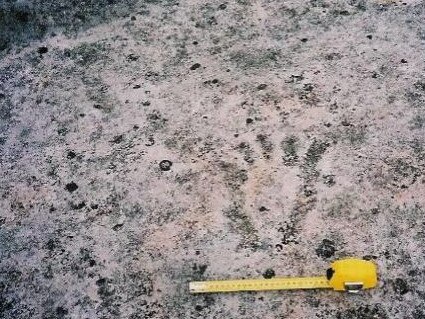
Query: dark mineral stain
column 263, row 209
column 137, row 86
column 195, row 66
column 248, row 153
column 165, row 165
column 369, row 36
column 269, row 273
column 326, row 249
column 400, row 286
column 249, row 120
column 262, row 87
column 42, row 50
column 71, row 187
column 266, row 145
column 290, row 147
column 241, row 223
column 304, row 40
column 94, row 206
column 403, row 61
column 199, row 270
column 314, row 154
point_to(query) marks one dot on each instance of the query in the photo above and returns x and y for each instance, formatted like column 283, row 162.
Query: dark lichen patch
column 71, row 155
column 402, row 173
column 117, row 139
column 400, row 286
column 266, row 145
column 105, row 289
column 242, row 224
column 234, row 177
column 288, row 233
column 341, row 206
column 88, row 53
column 372, row 311
column 118, row 226
column 213, row 82
column 415, row 95
column 329, row 180
column 137, row 284
column 417, row 122
column 61, row 312
column 98, row 92
column 326, row 249
column 356, row 135
column 71, row 187
column 418, row 314
column 156, row 120
column 42, row 50
column 78, row 206
column 269, row 273
column 307, row 94
column 133, row 57
column 195, row 66
column 418, row 149
column 290, row 149
column 333, row 56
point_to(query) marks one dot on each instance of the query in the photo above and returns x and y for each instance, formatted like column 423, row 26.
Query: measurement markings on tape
column 344, row 275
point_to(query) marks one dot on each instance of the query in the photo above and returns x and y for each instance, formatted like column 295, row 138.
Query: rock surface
column 145, row 144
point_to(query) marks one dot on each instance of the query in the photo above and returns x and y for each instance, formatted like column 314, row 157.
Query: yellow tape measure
column 349, row 275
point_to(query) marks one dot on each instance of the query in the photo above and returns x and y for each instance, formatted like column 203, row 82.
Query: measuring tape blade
column 259, row 284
